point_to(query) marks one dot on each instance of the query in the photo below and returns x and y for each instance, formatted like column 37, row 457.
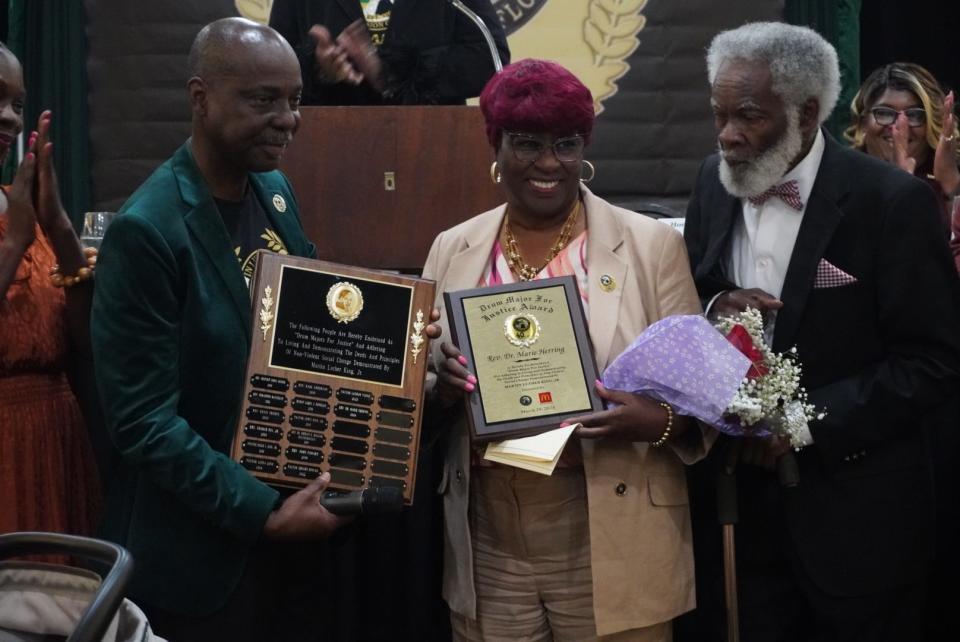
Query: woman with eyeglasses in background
column 901, row 115
column 602, row 546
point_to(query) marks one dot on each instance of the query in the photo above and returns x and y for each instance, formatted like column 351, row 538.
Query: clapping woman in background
column 48, row 479
column 901, row 115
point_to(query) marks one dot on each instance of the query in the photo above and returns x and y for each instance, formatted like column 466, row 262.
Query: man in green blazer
column 171, row 333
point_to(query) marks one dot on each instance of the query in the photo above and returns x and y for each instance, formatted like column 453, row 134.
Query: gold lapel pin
column 279, row 203
column 608, row 283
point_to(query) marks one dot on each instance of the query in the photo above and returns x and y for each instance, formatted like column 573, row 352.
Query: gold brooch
column 608, row 283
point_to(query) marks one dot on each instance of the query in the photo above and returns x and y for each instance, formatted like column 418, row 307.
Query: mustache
column 284, row 139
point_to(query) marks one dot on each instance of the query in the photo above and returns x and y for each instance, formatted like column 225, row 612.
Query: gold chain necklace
column 525, row 271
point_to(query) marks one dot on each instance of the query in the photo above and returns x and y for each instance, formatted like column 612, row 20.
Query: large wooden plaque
column 335, row 376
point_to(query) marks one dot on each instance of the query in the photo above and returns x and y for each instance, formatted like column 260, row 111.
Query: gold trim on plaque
column 344, row 301
column 416, row 339
column 521, row 330
column 266, row 312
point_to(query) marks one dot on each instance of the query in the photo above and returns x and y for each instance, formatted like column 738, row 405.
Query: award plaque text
column 528, row 345
column 335, row 375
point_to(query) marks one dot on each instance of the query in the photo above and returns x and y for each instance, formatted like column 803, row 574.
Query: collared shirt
column 763, row 237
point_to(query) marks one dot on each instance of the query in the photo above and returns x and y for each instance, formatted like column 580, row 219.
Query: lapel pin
column 279, row 203
column 608, row 283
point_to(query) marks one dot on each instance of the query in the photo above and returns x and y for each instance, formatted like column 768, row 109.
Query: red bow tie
column 787, row 192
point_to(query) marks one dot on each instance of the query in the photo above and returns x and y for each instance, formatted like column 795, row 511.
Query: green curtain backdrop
column 839, row 22
column 48, row 36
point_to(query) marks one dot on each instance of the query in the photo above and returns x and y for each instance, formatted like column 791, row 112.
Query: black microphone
column 379, row 500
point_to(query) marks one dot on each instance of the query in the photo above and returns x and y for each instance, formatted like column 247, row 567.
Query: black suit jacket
column 881, row 356
column 432, row 54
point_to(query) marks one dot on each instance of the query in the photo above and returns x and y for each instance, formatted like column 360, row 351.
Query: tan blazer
column 640, row 537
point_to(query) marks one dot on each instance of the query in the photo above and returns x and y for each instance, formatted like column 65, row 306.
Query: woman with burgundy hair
column 601, row 548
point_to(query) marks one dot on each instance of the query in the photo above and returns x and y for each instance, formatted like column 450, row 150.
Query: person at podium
column 389, row 52
column 601, row 548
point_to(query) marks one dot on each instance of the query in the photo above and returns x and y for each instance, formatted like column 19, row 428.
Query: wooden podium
column 377, row 184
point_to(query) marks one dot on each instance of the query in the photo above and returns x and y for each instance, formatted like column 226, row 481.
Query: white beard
column 760, row 174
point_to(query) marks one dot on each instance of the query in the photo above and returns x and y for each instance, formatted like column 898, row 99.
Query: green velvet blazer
column 171, row 327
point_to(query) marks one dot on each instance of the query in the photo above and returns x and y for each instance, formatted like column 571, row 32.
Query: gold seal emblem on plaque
column 522, row 330
column 344, row 301
column 279, row 203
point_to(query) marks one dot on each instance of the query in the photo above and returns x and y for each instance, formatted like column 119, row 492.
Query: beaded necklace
column 523, row 270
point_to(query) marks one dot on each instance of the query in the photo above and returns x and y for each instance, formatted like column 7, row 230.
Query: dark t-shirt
column 249, row 230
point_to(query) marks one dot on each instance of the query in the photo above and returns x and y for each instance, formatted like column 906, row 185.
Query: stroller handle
column 96, row 618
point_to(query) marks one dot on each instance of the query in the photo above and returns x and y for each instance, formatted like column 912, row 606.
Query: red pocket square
column 830, row 276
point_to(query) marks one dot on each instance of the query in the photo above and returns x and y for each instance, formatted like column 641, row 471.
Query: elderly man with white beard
column 845, row 257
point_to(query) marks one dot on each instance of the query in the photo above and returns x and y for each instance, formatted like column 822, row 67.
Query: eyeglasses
column 883, row 116
column 528, row 149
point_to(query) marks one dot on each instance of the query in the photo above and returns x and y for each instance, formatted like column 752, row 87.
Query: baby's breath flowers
column 770, row 397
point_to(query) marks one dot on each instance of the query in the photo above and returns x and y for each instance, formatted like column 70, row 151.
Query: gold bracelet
column 85, row 273
column 666, row 431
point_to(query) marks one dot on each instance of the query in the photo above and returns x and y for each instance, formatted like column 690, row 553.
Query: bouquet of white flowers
column 770, row 397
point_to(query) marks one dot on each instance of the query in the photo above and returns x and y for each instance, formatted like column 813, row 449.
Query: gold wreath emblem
column 610, row 32
column 593, row 39
column 256, row 10
column 344, row 301
column 521, row 330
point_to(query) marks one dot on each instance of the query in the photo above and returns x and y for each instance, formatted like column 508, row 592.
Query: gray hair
column 802, row 64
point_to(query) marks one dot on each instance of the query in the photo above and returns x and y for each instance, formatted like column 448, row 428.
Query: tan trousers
column 531, row 555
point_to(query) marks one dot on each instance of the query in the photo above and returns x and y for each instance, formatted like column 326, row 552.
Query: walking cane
column 727, row 515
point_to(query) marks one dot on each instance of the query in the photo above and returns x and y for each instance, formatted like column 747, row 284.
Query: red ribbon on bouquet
column 741, row 340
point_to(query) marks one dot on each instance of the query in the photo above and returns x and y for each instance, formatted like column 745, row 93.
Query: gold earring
column 593, row 172
column 495, row 173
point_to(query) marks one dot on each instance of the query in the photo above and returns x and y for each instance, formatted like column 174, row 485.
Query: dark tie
column 787, row 192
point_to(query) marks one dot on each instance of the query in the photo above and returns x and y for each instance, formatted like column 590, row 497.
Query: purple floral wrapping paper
column 686, row 362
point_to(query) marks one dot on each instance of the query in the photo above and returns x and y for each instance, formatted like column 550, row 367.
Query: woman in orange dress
column 48, row 479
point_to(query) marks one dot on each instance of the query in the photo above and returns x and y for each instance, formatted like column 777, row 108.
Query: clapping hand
column 945, row 169
column 332, row 60
column 355, row 41
column 21, row 216
column 50, row 212
column 901, row 138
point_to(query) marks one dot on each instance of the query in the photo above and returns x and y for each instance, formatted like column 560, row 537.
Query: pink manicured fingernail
column 469, row 387
column 29, row 156
column 462, row 359
column 599, row 383
column 564, row 424
column 471, row 379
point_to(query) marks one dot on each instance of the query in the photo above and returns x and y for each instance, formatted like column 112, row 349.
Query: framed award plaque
column 528, row 345
column 335, row 375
